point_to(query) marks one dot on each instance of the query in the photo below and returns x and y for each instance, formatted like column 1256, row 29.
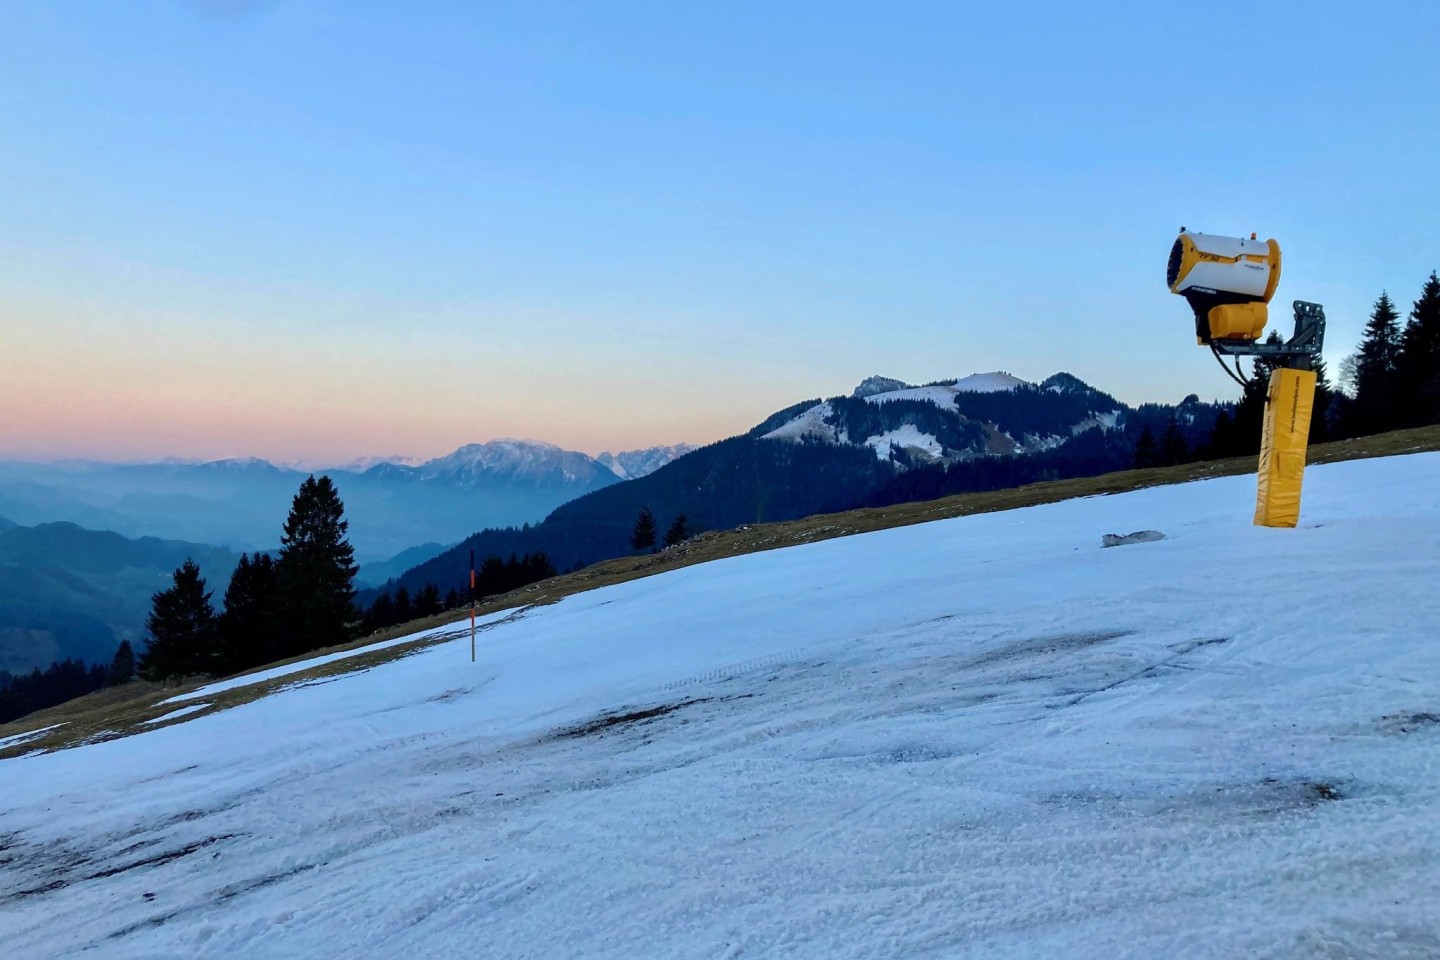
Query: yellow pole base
column 1282, row 447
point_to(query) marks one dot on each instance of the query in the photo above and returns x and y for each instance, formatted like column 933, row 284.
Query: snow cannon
column 1227, row 281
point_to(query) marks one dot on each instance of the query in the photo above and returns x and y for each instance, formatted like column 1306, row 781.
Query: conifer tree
column 315, row 571
column 1376, row 388
column 183, row 636
column 381, row 613
column 452, row 599
column 1222, row 437
column 1418, row 363
column 642, row 537
column 1147, row 452
column 401, row 611
column 427, row 601
column 1173, row 449
column 678, row 532
column 122, row 667
column 1323, row 409
column 248, row 625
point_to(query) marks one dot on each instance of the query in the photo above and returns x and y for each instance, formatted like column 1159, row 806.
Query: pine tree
column 1376, row 388
column 381, row 613
column 1418, row 363
column 1173, row 449
column 1147, row 452
column 427, row 601
column 248, row 626
column 401, row 611
column 1222, row 437
column 183, row 636
column 1320, row 414
column 678, row 532
column 642, row 537
column 122, row 667
column 452, row 599
column 315, row 572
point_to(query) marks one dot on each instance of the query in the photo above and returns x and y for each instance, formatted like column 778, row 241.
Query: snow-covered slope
column 983, row 738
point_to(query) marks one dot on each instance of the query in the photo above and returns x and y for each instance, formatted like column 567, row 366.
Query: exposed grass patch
column 120, row 711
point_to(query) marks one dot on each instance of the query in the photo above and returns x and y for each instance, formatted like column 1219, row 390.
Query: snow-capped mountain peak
column 532, row 460
column 361, row 464
column 632, row 464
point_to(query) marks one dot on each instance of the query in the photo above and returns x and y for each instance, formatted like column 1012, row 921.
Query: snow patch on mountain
column 940, row 395
column 811, row 423
column 988, row 383
column 907, row 437
column 943, row 394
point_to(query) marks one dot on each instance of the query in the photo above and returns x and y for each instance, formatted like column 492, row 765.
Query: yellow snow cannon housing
column 1227, row 282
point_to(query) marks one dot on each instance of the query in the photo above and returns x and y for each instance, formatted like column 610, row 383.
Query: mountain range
column 392, row 505
column 887, row 441
column 70, row 592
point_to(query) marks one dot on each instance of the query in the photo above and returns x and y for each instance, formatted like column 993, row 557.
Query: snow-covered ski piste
column 984, row 737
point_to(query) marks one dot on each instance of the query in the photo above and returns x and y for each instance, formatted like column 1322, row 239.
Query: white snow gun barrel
column 1229, row 282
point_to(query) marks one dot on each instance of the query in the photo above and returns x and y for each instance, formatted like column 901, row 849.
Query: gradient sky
column 318, row 229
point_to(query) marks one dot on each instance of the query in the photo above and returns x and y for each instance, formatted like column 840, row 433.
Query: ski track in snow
column 976, row 738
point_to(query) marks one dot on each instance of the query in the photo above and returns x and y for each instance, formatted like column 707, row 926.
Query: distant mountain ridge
column 887, row 441
column 953, row 420
column 632, row 464
column 242, row 502
column 66, row 591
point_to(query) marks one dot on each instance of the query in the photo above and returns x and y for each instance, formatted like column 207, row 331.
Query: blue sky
column 316, row 229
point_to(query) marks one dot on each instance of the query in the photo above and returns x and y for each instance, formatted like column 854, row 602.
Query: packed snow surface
column 981, row 738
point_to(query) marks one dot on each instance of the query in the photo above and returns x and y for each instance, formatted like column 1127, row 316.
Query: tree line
column 63, row 680
column 1390, row 382
column 494, row 576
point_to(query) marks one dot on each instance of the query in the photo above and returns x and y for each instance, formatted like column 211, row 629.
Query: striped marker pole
column 472, row 606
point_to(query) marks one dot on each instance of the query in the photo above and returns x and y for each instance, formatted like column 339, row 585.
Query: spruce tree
column 315, row 571
column 1147, row 452
column 642, row 537
column 1173, row 449
column 122, row 667
column 183, row 636
column 1418, row 363
column 1321, row 413
column 248, row 625
column 1376, row 388
column 401, row 611
column 381, row 613
column 427, row 601
column 679, row 531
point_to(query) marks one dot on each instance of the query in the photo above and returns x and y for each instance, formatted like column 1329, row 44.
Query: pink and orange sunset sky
column 315, row 231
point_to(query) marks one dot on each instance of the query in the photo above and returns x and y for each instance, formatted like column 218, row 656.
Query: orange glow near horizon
column 88, row 384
